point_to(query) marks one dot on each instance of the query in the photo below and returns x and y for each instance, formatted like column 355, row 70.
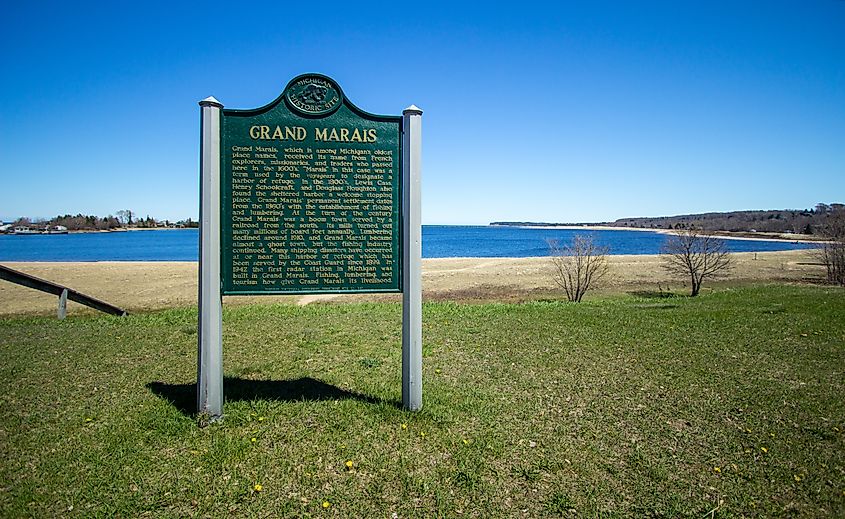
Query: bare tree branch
column 579, row 266
column 832, row 252
column 691, row 253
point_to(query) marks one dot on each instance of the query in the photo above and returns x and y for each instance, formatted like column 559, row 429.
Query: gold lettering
column 371, row 133
column 253, row 132
column 320, row 134
column 344, row 134
column 356, row 135
column 265, row 133
column 278, row 133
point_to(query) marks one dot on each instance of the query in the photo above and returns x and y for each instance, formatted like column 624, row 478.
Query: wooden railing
column 64, row 293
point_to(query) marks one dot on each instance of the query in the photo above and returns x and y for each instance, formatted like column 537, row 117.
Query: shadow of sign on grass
column 184, row 396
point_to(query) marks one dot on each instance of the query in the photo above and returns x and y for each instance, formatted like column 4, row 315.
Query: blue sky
column 533, row 111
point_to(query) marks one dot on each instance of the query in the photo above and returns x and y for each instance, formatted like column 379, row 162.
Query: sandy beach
column 140, row 286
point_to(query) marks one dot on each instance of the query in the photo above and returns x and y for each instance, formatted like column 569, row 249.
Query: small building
column 24, row 229
column 55, row 229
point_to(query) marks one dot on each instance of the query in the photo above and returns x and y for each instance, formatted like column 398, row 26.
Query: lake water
column 438, row 242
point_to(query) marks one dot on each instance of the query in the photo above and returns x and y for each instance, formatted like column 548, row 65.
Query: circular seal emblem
column 313, row 95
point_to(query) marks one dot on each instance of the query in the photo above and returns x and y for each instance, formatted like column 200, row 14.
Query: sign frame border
column 400, row 176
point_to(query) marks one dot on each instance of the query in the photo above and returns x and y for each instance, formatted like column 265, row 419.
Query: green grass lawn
column 727, row 405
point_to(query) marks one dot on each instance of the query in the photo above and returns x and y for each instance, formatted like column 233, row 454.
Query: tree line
column 780, row 221
column 122, row 219
column 797, row 221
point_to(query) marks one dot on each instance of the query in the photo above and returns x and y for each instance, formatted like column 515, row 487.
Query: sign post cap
column 412, row 110
column 211, row 101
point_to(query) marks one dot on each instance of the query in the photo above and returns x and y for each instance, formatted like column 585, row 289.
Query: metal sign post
column 210, row 328
column 412, row 254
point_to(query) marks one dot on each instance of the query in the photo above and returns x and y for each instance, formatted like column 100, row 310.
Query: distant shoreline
column 729, row 235
column 103, row 231
column 439, row 241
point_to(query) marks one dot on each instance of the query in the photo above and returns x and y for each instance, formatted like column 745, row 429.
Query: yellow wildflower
column 253, row 439
column 404, row 426
column 465, row 441
column 717, row 470
column 257, row 487
column 349, row 464
column 764, row 449
column 326, row 504
column 796, row 477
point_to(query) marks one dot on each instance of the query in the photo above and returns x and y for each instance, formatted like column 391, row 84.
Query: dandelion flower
column 404, row 426
column 89, row 420
column 717, row 470
column 465, row 441
column 422, row 434
column 257, row 487
column 349, row 464
column 764, row 449
column 326, row 504
column 253, row 439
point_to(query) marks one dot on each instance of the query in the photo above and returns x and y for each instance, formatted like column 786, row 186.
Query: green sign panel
column 310, row 195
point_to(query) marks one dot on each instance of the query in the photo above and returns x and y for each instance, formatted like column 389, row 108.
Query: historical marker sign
column 310, row 195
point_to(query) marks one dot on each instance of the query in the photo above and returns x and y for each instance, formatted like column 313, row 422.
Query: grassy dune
column 727, row 405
